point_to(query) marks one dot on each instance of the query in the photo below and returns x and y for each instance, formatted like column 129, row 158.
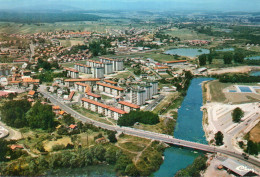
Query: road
column 32, row 51
column 154, row 103
column 147, row 134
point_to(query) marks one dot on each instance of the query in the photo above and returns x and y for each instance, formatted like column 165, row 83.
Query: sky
column 159, row 5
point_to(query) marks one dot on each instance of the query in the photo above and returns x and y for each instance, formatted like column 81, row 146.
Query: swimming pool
column 232, row 91
column 244, row 89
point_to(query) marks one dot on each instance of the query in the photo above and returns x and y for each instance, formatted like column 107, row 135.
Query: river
column 189, row 127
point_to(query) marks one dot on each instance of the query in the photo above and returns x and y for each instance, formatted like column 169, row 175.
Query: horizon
column 132, row 5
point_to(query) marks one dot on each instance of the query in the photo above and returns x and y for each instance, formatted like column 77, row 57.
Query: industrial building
column 175, row 62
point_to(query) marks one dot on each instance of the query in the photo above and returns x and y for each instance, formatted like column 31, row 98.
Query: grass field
column 165, row 102
column 186, row 34
column 49, row 144
column 254, row 134
column 216, row 92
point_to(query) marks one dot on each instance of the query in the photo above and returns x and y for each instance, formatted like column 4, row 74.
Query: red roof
column 129, row 104
column 109, row 81
column 93, row 95
column 55, row 107
column 104, row 106
column 79, row 64
column 71, row 69
column 82, row 84
column 31, row 92
column 72, row 126
column 176, row 61
column 162, row 67
column 117, row 110
column 14, row 146
column 71, row 95
column 110, row 86
column 81, row 80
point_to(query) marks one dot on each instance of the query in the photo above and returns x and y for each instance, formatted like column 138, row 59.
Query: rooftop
column 129, row 104
column 110, row 86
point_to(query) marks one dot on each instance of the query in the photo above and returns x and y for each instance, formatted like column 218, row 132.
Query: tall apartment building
column 154, row 87
column 98, row 72
column 138, row 96
column 108, row 68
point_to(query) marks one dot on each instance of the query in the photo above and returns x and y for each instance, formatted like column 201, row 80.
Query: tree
column 237, row 114
column 13, row 113
column 131, row 170
column 145, row 117
column 40, row 116
column 3, row 149
column 252, row 148
column 112, row 136
column 202, row 60
column 111, row 155
column 68, row 119
column 227, row 58
column 238, row 57
column 219, row 138
column 210, row 58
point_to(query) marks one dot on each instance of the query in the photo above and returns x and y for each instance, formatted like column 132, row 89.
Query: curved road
column 147, row 134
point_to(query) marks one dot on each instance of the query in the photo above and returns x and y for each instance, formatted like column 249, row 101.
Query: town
column 122, row 95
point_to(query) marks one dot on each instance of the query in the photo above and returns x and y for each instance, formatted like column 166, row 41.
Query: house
column 56, row 109
column 16, row 146
column 127, row 107
column 73, row 126
column 31, row 94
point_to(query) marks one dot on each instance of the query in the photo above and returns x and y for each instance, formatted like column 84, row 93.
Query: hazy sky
column 220, row 5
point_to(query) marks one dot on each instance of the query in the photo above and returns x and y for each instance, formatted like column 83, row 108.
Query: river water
column 189, row 127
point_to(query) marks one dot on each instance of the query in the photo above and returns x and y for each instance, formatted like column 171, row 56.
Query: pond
column 187, row 52
column 255, row 73
column 253, row 58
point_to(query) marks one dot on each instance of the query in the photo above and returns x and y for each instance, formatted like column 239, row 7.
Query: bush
column 132, row 117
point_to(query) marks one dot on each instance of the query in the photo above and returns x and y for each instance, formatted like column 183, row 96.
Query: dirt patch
column 254, row 134
column 49, row 144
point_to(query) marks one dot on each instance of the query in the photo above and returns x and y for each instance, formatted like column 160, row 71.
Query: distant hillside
column 33, row 17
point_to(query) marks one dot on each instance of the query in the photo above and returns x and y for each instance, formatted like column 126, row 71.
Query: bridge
column 147, row 134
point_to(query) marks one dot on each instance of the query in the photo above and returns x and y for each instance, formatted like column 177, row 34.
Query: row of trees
column 228, row 57
column 19, row 113
column 132, row 117
column 237, row 78
column 195, row 168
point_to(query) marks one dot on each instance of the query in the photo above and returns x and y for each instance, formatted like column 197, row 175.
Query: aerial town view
column 130, row 88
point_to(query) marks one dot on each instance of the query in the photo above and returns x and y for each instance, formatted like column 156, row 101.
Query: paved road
column 147, row 134
column 154, row 103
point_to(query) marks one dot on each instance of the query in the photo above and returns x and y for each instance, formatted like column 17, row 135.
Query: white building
column 154, row 87
column 109, row 68
column 98, row 72
column 110, row 89
column 72, row 73
column 101, row 108
column 127, row 107
column 138, row 96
